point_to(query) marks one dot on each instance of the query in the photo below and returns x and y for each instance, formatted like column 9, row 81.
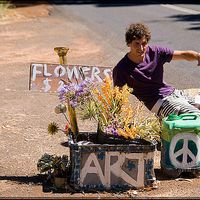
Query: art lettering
column 110, row 166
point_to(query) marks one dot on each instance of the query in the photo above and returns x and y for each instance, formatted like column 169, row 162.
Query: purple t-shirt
column 145, row 78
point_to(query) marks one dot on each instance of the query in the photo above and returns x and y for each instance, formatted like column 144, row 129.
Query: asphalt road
column 176, row 26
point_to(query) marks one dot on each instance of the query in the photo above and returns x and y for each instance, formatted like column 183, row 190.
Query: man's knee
column 197, row 105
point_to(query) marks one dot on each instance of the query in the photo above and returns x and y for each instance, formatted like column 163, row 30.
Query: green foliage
column 4, row 6
column 149, row 127
column 57, row 165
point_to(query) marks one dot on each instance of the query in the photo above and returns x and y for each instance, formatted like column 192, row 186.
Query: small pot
column 60, row 182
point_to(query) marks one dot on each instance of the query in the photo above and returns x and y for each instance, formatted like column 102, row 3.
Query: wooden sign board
column 50, row 77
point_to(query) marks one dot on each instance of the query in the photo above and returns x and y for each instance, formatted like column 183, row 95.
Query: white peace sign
column 185, row 151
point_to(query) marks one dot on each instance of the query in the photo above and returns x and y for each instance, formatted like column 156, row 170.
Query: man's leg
column 176, row 106
column 197, row 105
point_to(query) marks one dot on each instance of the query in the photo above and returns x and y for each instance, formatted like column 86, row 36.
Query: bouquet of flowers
column 110, row 107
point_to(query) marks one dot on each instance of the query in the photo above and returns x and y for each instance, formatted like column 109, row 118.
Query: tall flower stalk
column 74, row 95
column 72, row 119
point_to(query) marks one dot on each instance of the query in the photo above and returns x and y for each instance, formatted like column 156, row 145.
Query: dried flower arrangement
column 109, row 106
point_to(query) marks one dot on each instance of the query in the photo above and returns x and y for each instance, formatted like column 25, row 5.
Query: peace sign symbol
column 184, row 152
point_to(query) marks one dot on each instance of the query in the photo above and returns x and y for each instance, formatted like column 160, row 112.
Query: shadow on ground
column 36, row 180
column 23, row 3
column 160, row 175
column 122, row 2
column 195, row 19
column 103, row 3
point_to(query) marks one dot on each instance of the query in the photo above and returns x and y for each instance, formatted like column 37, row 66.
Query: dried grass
column 4, row 6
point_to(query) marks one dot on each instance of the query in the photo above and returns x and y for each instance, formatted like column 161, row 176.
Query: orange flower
column 123, row 133
column 67, row 129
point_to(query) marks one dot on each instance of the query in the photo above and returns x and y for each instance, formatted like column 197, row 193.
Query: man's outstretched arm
column 186, row 55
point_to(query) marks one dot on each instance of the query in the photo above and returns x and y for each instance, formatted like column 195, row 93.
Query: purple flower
column 111, row 130
column 76, row 93
column 73, row 103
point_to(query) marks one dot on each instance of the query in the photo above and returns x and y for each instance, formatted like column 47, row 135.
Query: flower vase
column 102, row 137
column 105, row 138
column 73, row 120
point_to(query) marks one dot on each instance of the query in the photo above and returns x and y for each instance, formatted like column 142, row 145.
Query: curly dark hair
column 137, row 31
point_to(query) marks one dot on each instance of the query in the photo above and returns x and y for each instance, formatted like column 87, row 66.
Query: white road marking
column 186, row 10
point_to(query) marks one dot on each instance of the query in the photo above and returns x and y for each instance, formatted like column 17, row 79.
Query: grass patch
column 4, row 6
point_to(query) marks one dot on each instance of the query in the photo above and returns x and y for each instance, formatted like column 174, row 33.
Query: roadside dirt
column 29, row 34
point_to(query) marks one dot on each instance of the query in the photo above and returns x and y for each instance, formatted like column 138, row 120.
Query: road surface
column 176, row 26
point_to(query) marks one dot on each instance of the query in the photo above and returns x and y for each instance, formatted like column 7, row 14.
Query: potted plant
column 57, row 168
column 119, row 122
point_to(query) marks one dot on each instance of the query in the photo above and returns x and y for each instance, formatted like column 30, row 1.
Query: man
column 142, row 69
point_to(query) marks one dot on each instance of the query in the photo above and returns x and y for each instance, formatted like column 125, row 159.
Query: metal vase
column 73, row 120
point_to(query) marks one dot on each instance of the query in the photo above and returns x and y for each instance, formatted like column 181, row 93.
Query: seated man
column 142, row 69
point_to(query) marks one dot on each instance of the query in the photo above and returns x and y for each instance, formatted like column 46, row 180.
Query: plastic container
column 180, row 150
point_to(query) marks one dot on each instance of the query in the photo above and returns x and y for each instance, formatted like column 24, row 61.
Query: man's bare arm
column 186, row 55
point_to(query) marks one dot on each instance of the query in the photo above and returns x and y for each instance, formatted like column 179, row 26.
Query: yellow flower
column 131, row 132
column 123, row 133
column 106, row 90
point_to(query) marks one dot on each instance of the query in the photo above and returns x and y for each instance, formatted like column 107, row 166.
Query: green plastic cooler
column 180, row 150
